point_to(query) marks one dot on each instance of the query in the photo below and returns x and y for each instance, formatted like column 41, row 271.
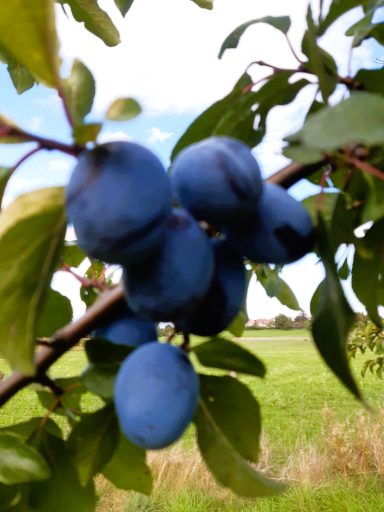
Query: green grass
column 297, row 388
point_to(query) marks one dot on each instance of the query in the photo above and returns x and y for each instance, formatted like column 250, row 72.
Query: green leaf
column 72, row 255
column 10, row 133
column 31, row 236
column 84, row 133
column 319, row 62
column 226, row 464
column 333, row 318
column 123, row 109
column 5, row 174
column 123, row 6
column 56, row 311
column 234, row 411
column 209, row 122
column 10, row 495
column 70, row 400
column 20, row 462
column 95, row 20
column 79, row 91
column 337, row 9
column 100, row 379
column 205, row 4
column 63, row 491
column 324, row 203
column 276, row 287
column 92, row 442
column 372, row 80
column 237, row 326
column 357, row 119
column 28, row 33
column 364, row 29
column 100, row 351
column 368, row 271
column 226, row 355
column 28, row 428
column 21, row 78
column 302, row 154
column 282, row 23
column 127, row 468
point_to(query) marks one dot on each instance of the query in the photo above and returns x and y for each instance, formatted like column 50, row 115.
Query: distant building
column 260, row 322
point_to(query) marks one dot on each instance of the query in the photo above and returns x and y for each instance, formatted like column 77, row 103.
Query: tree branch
column 64, row 339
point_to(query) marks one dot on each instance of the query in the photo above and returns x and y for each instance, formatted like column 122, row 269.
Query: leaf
column 27, row 428
column 333, row 318
column 123, row 109
column 72, row 255
column 21, row 78
column 79, row 91
column 325, row 204
column 123, row 6
column 92, row 442
column 95, row 20
column 28, row 33
column 357, row 119
column 368, row 271
column 276, row 287
column 226, row 464
column 234, row 411
column 205, row 4
column 100, row 379
column 100, row 351
column 319, row 62
column 208, row 123
column 337, row 9
column 364, row 29
column 31, row 236
column 62, row 492
column 10, row 133
column 237, row 326
column 70, row 400
column 56, row 311
column 127, row 468
column 372, row 80
column 86, row 133
column 5, row 174
column 20, row 462
column 281, row 23
column 226, row 355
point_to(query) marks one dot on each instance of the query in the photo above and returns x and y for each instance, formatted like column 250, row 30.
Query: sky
column 167, row 60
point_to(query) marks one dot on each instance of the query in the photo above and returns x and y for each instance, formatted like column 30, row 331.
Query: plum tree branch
column 67, row 337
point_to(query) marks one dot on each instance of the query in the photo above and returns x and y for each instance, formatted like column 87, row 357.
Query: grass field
column 315, row 434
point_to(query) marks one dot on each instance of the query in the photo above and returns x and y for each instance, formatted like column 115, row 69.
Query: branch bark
column 67, row 337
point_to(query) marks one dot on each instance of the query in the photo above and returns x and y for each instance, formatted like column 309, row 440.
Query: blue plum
column 217, row 179
column 118, row 199
column 169, row 284
column 123, row 327
column 280, row 231
column 225, row 295
column 156, row 395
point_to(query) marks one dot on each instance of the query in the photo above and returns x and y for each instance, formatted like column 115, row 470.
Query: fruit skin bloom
column 118, row 199
column 170, row 284
column 156, row 395
column 217, row 179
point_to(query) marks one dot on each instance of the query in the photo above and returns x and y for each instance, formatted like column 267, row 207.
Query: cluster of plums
column 122, row 205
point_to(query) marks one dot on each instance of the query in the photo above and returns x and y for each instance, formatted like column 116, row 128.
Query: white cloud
column 35, row 123
column 155, row 135
column 59, row 165
column 110, row 136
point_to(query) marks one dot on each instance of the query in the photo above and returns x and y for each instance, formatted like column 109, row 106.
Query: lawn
column 309, row 419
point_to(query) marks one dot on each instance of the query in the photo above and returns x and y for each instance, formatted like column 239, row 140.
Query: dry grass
column 350, row 449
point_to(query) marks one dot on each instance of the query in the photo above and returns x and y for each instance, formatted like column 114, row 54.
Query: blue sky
column 168, row 61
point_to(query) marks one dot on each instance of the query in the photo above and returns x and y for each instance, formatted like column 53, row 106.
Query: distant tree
column 283, row 322
column 301, row 321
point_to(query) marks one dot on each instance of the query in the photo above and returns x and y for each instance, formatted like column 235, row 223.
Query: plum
column 118, row 199
column 217, row 179
column 156, row 395
column 123, row 327
column 169, row 284
column 225, row 295
column 280, row 231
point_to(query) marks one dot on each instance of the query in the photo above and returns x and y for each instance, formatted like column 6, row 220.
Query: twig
column 366, row 167
column 293, row 50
